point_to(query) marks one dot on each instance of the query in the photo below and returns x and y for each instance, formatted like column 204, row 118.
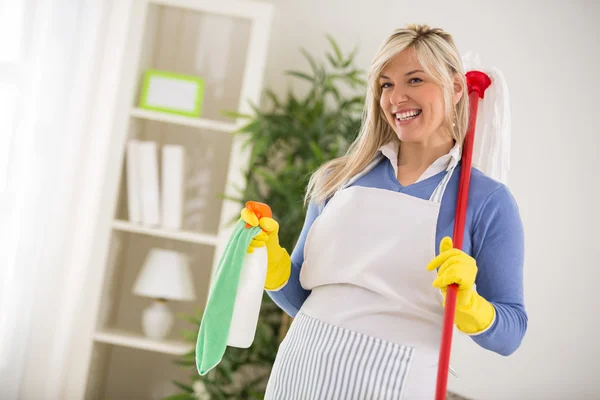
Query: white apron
column 373, row 315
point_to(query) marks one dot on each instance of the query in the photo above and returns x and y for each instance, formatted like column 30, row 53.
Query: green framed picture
column 172, row 93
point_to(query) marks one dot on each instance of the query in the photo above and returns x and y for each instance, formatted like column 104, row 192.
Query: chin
column 410, row 137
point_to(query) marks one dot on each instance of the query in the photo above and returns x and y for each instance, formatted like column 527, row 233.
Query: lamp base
column 157, row 320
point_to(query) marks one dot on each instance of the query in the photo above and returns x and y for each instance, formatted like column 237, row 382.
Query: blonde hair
column 437, row 53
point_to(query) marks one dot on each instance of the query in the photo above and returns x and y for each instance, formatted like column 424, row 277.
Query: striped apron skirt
column 317, row 360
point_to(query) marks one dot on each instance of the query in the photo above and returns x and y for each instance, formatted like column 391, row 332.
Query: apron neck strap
column 438, row 193
column 362, row 173
column 436, row 196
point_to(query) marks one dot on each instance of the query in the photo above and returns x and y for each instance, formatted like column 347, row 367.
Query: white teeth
column 407, row 115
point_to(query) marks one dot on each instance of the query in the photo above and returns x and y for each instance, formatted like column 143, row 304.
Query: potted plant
column 290, row 137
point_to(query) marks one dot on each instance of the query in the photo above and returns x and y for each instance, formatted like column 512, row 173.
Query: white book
column 133, row 181
column 173, row 168
column 149, row 183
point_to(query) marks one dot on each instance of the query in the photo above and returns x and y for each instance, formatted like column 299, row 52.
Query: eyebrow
column 406, row 74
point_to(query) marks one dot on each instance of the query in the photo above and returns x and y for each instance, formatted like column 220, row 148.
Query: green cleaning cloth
column 216, row 320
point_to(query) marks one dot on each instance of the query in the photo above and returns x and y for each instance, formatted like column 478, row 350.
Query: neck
column 419, row 156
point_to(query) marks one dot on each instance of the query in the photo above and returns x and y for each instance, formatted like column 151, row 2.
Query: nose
column 398, row 96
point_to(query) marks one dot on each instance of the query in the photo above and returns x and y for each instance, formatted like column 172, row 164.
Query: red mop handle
column 477, row 83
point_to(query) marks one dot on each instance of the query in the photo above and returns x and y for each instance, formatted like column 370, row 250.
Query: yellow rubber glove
column 279, row 262
column 473, row 313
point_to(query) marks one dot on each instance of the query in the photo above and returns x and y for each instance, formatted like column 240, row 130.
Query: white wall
column 549, row 54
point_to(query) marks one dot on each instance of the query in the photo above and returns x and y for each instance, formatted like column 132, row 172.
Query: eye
column 415, row 80
column 386, row 85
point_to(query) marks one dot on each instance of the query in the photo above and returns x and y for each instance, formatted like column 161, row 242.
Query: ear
column 458, row 89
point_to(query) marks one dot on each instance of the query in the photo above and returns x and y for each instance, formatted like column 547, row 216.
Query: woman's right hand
column 279, row 262
column 261, row 238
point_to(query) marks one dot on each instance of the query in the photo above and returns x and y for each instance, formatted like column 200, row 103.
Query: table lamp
column 164, row 276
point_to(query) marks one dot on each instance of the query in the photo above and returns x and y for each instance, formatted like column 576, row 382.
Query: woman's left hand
column 455, row 266
column 473, row 313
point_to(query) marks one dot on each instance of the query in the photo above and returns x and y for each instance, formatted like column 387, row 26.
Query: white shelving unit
column 115, row 359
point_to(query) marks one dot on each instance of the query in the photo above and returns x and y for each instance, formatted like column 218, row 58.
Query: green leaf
column 301, row 75
column 191, row 336
column 311, row 61
column 251, row 127
column 350, row 58
column 336, row 48
column 256, row 395
column 191, row 356
column 184, row 387
column 230, row 198
column 226, row 368
column 316, row 150
column 183, row 363
column 235, row 114
column 273, row 97
column 191, row 319
column 335, row 63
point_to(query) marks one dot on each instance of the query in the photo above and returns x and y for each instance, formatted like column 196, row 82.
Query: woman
column 367, row 279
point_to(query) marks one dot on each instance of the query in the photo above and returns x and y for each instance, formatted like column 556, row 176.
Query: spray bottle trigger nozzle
column 259, row 209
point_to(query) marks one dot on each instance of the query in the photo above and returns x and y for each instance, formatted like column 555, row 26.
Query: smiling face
column 412, row 102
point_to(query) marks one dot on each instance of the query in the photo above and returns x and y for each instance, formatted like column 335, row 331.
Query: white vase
column 157, row 320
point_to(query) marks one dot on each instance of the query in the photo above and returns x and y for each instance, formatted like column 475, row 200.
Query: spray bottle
column 250, row 289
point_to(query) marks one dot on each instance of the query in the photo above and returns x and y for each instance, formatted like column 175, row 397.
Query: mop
column 492, row 159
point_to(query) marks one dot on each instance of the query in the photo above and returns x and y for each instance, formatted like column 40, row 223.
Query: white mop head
column 491, row 149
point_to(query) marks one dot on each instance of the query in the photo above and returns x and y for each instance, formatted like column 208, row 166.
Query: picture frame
column 173, row 93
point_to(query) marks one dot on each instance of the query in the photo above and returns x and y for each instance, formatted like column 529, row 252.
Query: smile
column 405, row 116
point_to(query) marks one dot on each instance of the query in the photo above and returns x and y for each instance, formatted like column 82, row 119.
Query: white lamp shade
column 166, row 275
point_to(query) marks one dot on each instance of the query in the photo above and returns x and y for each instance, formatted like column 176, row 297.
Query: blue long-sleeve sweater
column 493, row 236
